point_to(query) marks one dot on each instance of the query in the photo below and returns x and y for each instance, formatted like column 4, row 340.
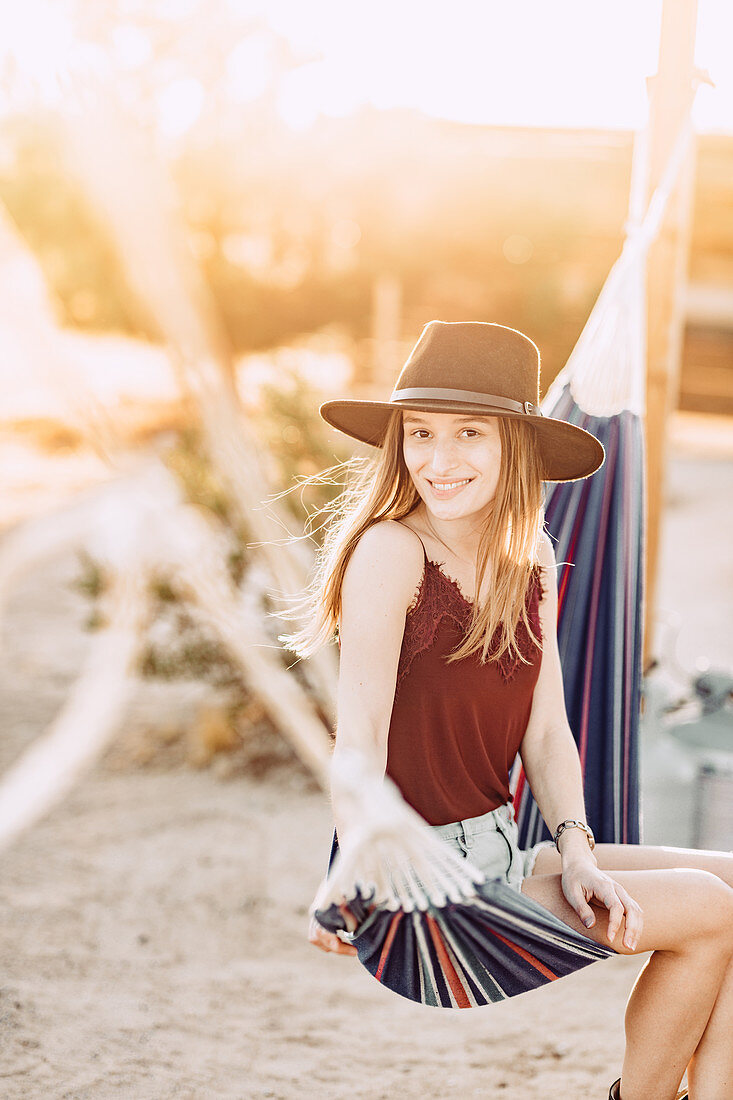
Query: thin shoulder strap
column 425, row 553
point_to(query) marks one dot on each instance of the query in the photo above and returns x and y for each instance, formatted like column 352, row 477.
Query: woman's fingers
column 621, row 907
column 582, row 908
column 615, row 912
column 580, row 887
column 577, row 889
column 634, row 918
column 328, row 941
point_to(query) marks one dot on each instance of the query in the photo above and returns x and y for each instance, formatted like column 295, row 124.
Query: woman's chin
column 455, row 508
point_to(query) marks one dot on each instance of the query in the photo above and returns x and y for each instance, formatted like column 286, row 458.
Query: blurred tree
column 54, row 216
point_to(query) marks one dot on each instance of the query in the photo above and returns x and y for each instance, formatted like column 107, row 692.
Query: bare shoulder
column 388, row 559
column 387, row 536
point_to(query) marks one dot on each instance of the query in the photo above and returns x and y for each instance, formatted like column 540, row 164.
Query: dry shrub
column 211, row 732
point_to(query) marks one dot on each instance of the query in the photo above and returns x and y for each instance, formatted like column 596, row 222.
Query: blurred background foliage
column 295, row 208
column 436, row 204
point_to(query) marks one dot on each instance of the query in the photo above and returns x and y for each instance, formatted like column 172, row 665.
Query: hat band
column 466, row 397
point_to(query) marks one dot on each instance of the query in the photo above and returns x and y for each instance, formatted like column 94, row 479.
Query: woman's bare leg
column 710, row 1071
column 688, row 924
column 644, row 857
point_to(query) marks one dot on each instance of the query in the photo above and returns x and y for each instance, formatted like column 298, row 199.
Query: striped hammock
column 425, row 922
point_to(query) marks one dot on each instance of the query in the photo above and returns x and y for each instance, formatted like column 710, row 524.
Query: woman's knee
column 708, row 906
column 684, row 910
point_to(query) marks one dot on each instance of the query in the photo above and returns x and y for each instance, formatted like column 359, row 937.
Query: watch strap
column 571, row 823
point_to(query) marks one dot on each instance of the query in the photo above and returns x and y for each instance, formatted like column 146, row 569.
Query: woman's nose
column 444, row 456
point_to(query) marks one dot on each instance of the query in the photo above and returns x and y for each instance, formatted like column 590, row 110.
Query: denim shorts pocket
column 511, row 849
column 515, row 871
column 492, row 853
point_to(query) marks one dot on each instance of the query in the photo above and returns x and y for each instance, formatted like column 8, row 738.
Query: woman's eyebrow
column 411, row 418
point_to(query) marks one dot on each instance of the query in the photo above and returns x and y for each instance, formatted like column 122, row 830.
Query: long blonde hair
column 383, row 489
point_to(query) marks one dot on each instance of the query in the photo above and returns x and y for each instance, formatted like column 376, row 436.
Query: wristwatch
column 570, row 823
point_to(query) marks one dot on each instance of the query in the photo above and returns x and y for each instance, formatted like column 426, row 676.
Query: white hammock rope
column 390, row 854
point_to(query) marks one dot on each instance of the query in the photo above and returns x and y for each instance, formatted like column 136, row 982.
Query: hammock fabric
column 596, row 526
column 461, row 955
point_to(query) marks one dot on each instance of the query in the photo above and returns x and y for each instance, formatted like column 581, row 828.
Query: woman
column 440, row 582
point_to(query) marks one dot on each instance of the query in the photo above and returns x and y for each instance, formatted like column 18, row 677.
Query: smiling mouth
column 449, row 486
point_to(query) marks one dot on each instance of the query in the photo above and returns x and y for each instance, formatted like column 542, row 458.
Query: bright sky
column 526, row 62
column 511, row 62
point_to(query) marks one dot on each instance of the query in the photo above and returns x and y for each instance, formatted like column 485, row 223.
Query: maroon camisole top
column 456, row 728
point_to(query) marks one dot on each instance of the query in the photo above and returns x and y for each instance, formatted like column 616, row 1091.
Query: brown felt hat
column 474, row 367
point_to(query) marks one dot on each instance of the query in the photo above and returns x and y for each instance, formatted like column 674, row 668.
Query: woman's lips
column 446, row 489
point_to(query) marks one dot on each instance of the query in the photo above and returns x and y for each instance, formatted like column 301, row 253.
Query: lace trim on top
column 439, row 597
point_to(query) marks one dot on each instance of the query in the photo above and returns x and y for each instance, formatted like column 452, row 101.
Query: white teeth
column 452, row 485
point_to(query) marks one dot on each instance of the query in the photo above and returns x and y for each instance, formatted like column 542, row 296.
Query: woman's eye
column 423, row 433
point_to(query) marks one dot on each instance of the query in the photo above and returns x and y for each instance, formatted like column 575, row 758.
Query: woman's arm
column 548, row 750
column 380, row 582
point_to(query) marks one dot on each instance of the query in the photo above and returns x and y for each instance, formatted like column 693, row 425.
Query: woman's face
column 454, row 461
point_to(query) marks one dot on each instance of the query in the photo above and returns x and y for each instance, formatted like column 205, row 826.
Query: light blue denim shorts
column 491, row 843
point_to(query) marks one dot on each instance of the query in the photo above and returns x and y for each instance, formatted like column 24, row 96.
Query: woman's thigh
column 681, row 907
column 641, row 857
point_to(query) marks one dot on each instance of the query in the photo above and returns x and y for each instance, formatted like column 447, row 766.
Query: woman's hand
column 583, row 880
column 328, row 941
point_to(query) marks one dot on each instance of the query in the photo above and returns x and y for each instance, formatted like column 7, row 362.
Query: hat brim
column 568, row 453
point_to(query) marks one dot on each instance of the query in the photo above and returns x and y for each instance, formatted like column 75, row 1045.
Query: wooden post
column 671, row 92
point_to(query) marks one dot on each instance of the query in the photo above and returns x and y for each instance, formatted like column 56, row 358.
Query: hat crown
column 477, row 356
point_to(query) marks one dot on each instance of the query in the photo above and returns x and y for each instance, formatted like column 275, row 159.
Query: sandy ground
column 152, row 928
